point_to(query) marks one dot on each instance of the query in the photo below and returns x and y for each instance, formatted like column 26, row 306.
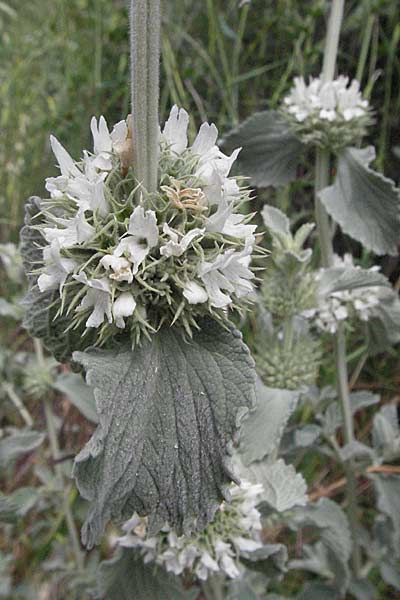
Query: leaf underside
column 364, row 203
column 168, row 412
column 270, row 151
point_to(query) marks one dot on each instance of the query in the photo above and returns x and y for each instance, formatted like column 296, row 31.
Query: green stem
column 322, row 169
column 322, row 172
column 145, row 21
column 55, row 453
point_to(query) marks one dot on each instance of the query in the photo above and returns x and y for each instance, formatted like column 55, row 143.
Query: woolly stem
column 55, row 453
column 322, row 173
column 213, row 588
column 145, row 19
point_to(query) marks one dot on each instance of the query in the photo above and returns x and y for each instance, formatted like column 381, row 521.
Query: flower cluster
column 358, row 303
column 330, row 114
column 119, row 257
column 236, row 528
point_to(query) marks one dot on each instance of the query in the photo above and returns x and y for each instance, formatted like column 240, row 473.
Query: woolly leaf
column 339, row 279
column 283, row 487
column 276, row 220
column 125, row 577
column 386, row 433
column 17, row 444
column 263, row 428
column 388, row 491
column 384, row 323
column 331, row 521
column 270, row 151
column 364, row 203
column 79, row 393
column 168, row 413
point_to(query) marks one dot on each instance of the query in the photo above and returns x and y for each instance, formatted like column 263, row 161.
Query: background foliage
column 65, row 60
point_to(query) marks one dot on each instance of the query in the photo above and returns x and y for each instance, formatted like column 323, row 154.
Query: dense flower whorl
column 357, row 304
column 329, row 114
column 119, row 257
column 236, row 528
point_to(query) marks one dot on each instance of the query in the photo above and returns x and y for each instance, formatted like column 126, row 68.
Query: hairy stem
column 332, row 40
column 145, row 19
column 322, row 173
column 55, row 453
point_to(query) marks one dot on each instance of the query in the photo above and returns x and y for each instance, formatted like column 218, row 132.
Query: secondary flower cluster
column 340, row 306
column 120, row 257
column 330, row 114
column 236, row 528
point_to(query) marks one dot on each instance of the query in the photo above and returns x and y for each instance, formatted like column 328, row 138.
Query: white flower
column 175, row 130
column 230, row 272
column 121, row 137
column 142, row 236
column 121, row 267
column 102, row 144
column 73, row 231
column 98, row 296
column 66, row 163
column 57, row 268
column 326, row 100
column 123, row 306
column 174, row 247
column 194, row 293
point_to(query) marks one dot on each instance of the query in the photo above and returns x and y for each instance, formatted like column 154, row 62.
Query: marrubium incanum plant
column 134, row 261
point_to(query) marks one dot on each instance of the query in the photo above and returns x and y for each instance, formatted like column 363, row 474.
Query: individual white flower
column 123, row 306
column 142, row 236
column 206, row 565
column 66, row 163
column 174, row 247
column 229, row 272
column 102, row 144
column 175, row 130
column 194, row 293
column 87, row 190
column 247, row 545
column 97, row 297
column 57, row 268
column 120, row 269
column 121, row 137
column 73, row 231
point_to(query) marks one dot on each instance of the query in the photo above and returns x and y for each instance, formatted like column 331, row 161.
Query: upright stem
column 332, row 40
column 55, row 453
column 322, row 172
column 322, row 169
column 145, row 19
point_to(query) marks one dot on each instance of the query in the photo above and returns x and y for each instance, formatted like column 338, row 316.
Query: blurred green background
column 61, row 61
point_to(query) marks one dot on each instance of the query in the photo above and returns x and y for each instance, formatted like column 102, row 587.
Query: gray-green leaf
column 264, row 426
column 125, row 577
column 168, row 413
column 364, row 203
column 270, row 150
column 17, row 444
column 79, row 393
column 332, row 522
column 283, row 487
